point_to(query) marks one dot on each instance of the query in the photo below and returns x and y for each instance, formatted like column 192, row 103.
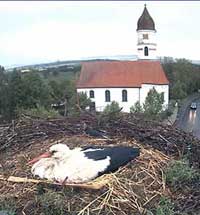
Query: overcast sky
column 35, row 32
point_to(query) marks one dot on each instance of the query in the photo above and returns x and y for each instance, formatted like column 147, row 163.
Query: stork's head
column 56, row 151
column 59, row 150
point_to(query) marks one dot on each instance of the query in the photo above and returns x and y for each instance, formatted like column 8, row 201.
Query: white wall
column 115, row 95
column 134, row 95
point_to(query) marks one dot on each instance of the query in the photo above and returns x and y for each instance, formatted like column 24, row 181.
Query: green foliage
column 111, row 112
column 23, row 91
column 7, row 206
column 2, row 70
column 15, row 93
column 153, row 103
column 137, row 108
column 52, row 203
column 169, row 111
column 35, row 91
column 180, row 172
column 4, row 93
column 61, row 90
column 40, row 112
column 184, row 77
column 61, row 73
column 112, row 108
column 179, row 90
column 84, row 101
column 165, row 207
column 65, row 90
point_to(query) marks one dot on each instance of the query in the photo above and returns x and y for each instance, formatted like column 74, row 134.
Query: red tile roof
column 121, row 74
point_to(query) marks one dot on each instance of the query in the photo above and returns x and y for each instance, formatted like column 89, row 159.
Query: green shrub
column 112, row 108
column 40, row 112
column 169, row 111
column 84, row 101
column 165, row 207
column 137, row 108
column 7, row 206
column 153, row 104
column 111, row 112
column 180, row 172
column 52, row 203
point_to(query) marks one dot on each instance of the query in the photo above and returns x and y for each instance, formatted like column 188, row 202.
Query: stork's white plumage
column 80, row 164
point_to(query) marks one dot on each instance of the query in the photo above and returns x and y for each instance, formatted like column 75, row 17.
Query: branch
column 89, row 185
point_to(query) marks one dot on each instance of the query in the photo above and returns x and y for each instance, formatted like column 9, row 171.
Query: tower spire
column 146, row 36
column 145, row 22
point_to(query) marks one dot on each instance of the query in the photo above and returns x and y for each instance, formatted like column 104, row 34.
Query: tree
column 35, row 91
column 3, row 92
column 179, row 90
column 83, row 100
column 153, row 103
column 57, row 91
column 184, row 77
column 2, row 70
column 22, row 91
column 137, row 108
column 65, row 91
column 111, row 112
column 15, row 97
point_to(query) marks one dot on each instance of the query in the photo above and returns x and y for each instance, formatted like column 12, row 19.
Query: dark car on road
column 193, row 106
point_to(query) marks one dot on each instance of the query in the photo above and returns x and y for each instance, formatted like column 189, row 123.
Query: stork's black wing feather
column 119, row 155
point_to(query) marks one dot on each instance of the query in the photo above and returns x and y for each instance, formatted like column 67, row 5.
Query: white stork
column 80, row 164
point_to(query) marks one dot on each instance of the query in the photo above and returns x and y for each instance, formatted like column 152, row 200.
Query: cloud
column 62, row 40
column 56, row 30
column 29, row 6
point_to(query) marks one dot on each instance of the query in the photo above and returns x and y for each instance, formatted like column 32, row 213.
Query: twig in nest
column 90, row 185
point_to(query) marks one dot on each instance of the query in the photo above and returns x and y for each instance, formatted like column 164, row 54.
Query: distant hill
column 44, row 66
column 196, row 62
column 56, row 64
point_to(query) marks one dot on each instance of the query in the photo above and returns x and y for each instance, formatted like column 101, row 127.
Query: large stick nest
column 133, row 189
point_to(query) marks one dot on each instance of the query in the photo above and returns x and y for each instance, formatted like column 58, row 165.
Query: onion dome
column 145, row 22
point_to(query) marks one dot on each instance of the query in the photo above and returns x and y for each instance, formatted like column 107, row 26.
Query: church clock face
column 145, row 36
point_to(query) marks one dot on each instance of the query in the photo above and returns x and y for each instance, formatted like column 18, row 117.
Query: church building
column 126, row 82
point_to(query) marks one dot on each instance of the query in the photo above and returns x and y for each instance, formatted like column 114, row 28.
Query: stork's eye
column 53, row 151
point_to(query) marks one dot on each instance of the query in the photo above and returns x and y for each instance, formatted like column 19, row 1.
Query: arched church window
column 91, row 93
column 146, row 51
column 107, row 95
column 124, row 95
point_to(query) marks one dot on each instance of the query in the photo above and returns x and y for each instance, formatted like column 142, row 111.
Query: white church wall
column 159, row 88
column 115, row 95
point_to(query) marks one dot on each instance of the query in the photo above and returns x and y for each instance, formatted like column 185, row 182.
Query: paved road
column 190, row 122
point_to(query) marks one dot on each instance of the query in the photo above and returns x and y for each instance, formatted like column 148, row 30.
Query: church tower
column 146, row 32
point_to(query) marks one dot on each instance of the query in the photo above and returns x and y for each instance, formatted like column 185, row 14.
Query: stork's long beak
column 44, row 155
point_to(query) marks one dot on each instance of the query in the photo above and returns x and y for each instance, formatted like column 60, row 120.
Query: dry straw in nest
column 133, row 188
